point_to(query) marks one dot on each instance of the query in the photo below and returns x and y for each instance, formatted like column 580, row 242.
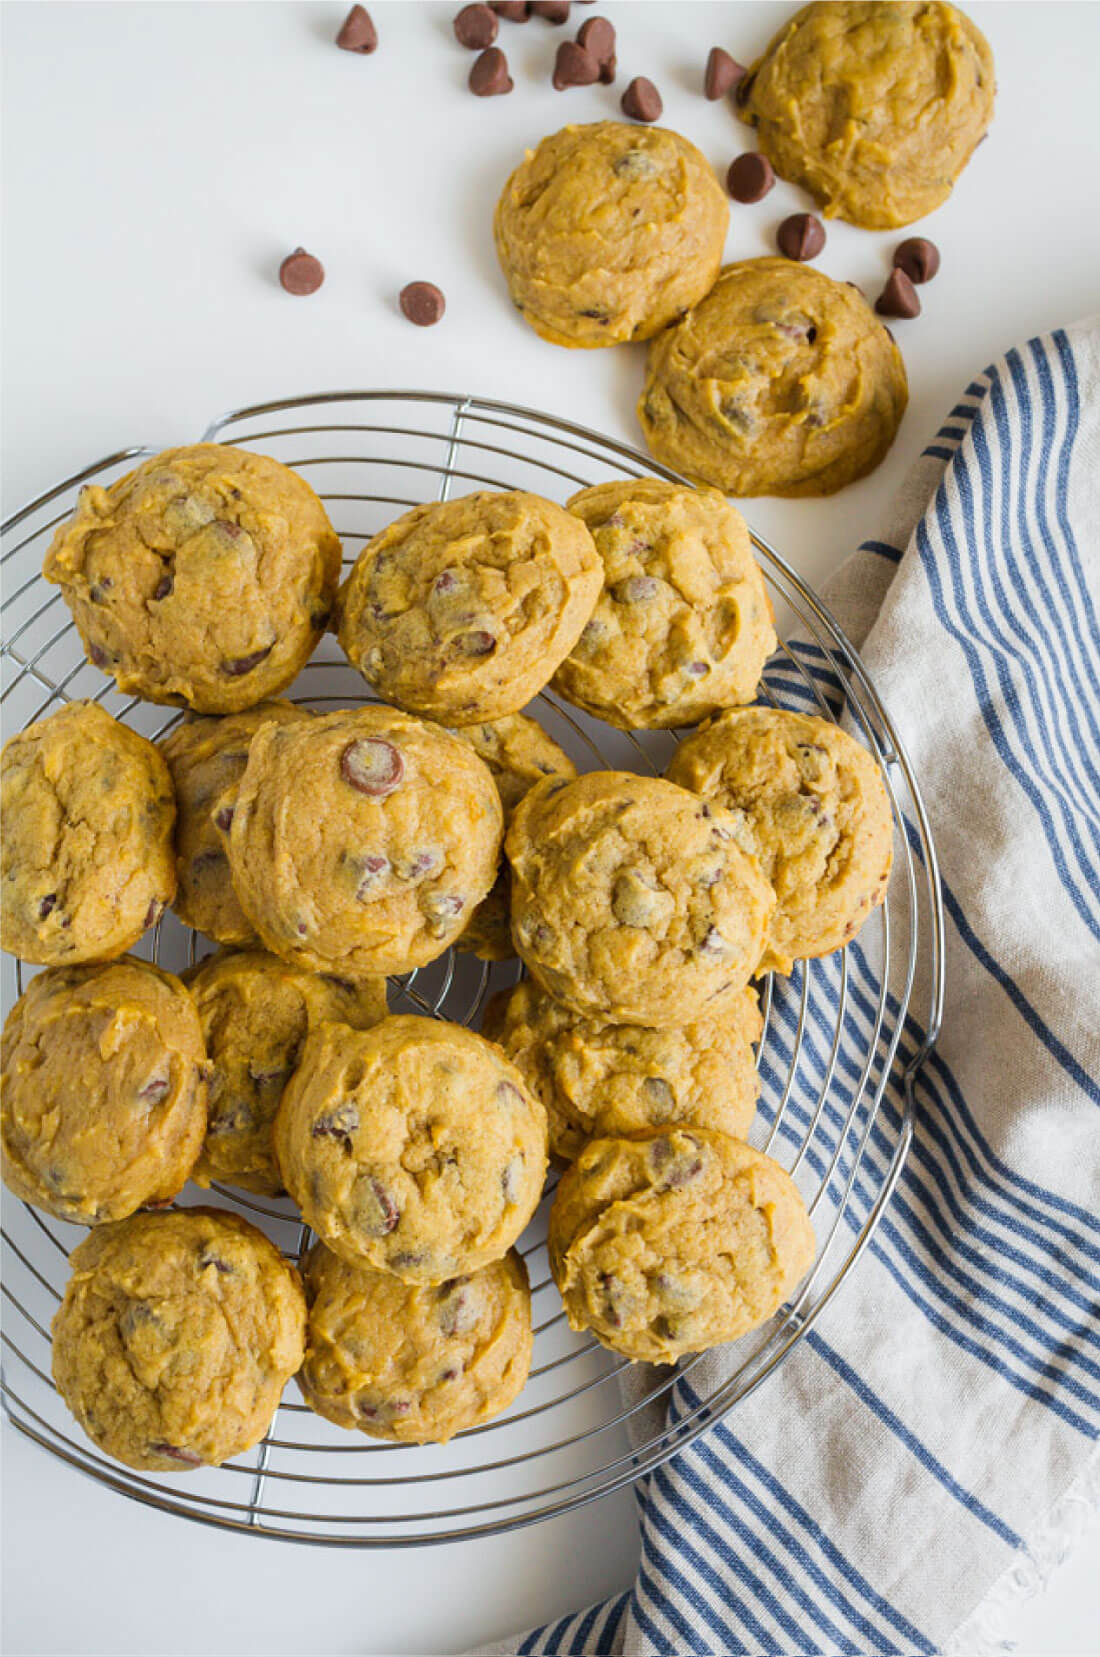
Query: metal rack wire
column 844, row 1038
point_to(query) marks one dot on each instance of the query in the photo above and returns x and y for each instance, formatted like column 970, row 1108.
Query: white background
column 159, row 161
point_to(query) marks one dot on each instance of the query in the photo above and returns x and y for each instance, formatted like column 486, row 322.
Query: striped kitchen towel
column 924, row 1450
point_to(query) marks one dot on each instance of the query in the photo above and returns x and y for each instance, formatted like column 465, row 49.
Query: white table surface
column 159, row 160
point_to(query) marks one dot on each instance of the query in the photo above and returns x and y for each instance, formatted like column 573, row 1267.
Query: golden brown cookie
column 781, row 382
column 812, row 806
column 362, row 841
column 599, row 1079
column 874, row 106
column 415, row 1148
column 519, row 753
column 411, row 1363
column 176, row 1337
column 631, row 902
column 610, row 232
column 205, row 577
column 206, row 758
column 104, row 1090
column 675, row 1240
column 684, row 625
column 86, row 857
column 256, row 1012
column 461, row 610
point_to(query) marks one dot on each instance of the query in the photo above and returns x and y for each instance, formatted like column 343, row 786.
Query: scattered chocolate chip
column 476, row 27
column 423, row 303
column 801, row 237
column 373, row 766
column 713, row 946
column 46, row 904
column 236, row 666
column 597, row 37
column 512, row 11
column 489, row 74
column 379, row 1212
column 301, row 273
column 918, row 258
column 636, row 589
column 371, row 871
column 458, row 1313
column 223, row 819
column 750, row 177
column 642, row 101
column 98, row 655
column 554, row 11
column 357, row 32
column 207, row 1259
column 573, row 66
column 155, row 1088
column 173, row 1452
column 477, row 643
column 722, row 73
column 153, row 913
column 163, row 587
column 899, row 297
column 511, row 1180
column 339, row 1124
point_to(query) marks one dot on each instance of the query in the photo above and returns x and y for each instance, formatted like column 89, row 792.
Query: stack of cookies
column 324, row 853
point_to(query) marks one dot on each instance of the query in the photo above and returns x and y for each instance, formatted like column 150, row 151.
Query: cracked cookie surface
column 461, row 610
column 610, row 232
column 410, row 1363
column 362, row 841
column 256, row 1012
column 675, row 1240
column 176, row 1337
column 780, row 382
column 632, row 902
column 814, row 809
column 874, row 106
column 86, row 859
column 104, row 1090
column 683, row 625
column 204, row 578
column 415, row 1148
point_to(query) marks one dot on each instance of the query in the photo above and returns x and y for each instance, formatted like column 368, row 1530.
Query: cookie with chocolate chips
column 176, row 1337
column 203, row 578
column 461, row 610
column 410, row 1363
column 362, row 841
column 812, row 806
column 414, row 1148
column 103, row 1102
column 683, row 625
column 675, row 1240
column 781, row 382
column 610, row 232
column 632, row 901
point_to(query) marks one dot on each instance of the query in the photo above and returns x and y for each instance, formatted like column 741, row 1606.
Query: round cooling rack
column 843, row 1042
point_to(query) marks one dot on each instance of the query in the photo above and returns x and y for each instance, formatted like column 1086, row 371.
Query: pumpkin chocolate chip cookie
column 814, row 809
column 631, row 902
column 410, row 1363
column 104, row 1090
column 415, row 1148
column 874, row 106
column 461, row 610
column 206, row 758
column 205, row 577
column 683, row 626
column 606, row 1079
column 519, row 754
column 609, row 232
column 176, row 1337
column 86, row 859
column 675, row 1240
column 781, row 382
column 362, row 841
column 256, row 1012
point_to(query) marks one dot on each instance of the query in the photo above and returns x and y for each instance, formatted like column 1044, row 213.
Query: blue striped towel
column 923, row 1451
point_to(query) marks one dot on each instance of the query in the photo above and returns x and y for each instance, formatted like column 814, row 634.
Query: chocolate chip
column 357, row 32
column 573, row 66
column 722, row 73
column 477, row 643
column 801, row 237
column 899, row 297
column 163, row 587
column 173, row 1452
column 597, row 37
column 156, row 1088
column 371, row 871
column 378, row 1211
column 98, row 655
column 458, row 1314
column 489, row 74
column 476, row 27
column 153, row 913
column 340, row 1124
column 236, row 666
column 223, row 819
column 554, row 11
column 636, row 589
column 659, row 1095
column 512, row 11
column 918, row 258
column 301, row 273
column 713, row 946
column 423, row 303
column 642, row 101
column 46, row 904
column 750, row 177
column 207, row 1259
column 373, row 766
column 511, row 1180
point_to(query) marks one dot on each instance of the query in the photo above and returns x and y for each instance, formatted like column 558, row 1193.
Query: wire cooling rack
column 844, row 1038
